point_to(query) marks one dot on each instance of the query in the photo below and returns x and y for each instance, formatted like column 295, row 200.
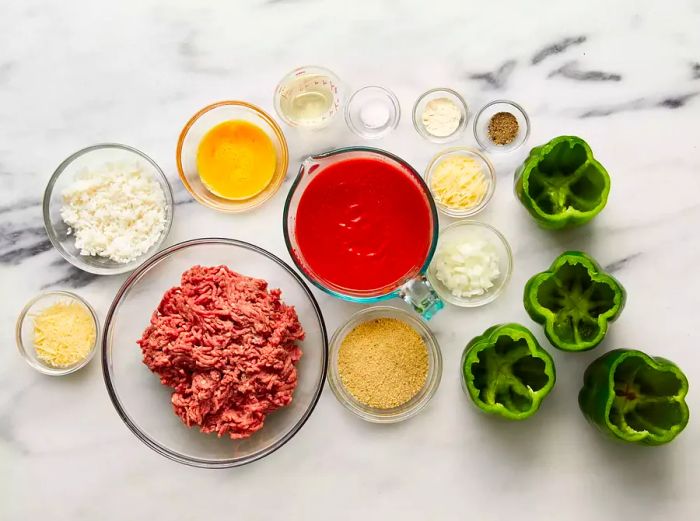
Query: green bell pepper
column 635, row 398
column 506, row 372
column 574, row 300
column 561, row 184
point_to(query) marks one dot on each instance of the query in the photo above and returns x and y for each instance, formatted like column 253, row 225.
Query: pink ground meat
column 228, row 348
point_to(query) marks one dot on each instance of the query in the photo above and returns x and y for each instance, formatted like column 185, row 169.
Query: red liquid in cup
column 363, row 225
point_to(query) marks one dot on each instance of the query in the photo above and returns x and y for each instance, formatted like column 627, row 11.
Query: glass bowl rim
column 256, row 200
column 490, row 175
column 464, row 108
column 145, row 438
column 490, row 146
column 448, row 297
column 433, row 377
column 44, row 369
column 51, row 233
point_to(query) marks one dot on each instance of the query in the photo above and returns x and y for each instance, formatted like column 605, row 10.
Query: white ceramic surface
column 625, row 77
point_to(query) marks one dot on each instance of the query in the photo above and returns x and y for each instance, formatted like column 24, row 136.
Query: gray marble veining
column 625, row 77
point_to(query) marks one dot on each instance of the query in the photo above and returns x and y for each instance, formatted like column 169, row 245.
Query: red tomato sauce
column 363, row 224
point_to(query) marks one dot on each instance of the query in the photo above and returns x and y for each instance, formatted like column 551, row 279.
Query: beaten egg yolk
column 236, row 160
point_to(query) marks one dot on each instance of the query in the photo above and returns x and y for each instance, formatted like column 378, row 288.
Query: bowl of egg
column 232, row 156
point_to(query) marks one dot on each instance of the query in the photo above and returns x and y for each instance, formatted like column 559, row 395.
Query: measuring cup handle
column 420, row 294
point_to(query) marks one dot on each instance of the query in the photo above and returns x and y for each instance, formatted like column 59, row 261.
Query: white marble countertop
column 625, row 76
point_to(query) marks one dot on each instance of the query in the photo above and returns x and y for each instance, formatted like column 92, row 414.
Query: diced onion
column 468, row 267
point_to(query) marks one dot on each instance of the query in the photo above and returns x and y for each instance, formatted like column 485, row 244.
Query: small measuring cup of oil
column 309, row 97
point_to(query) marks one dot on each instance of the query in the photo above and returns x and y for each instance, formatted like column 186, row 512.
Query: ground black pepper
column 503, row 128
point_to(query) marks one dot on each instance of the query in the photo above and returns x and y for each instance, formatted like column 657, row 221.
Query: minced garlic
column 441, row 117
column 64, row 334
column 458, row 182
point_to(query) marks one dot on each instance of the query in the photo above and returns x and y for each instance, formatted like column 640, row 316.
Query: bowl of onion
column 472, row 264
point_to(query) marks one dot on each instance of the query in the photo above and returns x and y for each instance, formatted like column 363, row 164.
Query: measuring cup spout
column 421, row 296
column 309, row 164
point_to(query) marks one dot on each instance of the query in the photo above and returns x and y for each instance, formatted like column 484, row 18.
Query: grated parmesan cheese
column 117, row 212
column 64, row 334
column 458, row 182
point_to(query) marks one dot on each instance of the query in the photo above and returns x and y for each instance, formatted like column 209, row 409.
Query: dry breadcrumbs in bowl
column 385, row 364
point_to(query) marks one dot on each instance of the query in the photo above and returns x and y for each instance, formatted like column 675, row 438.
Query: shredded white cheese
column 459, row 182
column 468, row 267
column 116, row 212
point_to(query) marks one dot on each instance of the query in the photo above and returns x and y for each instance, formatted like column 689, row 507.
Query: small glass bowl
column 415, row 404
column 24, row 331
column 91, row 158
column 303, row 80
column 476, row 229
column 430, row 95
column 199, row 125
column 372, row 112
column 483, row 117
column 487, row 168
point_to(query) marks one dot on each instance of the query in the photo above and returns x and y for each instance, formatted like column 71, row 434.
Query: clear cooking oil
column 308, row 101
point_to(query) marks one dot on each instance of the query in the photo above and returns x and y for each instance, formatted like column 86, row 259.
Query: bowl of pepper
column 501, row 126
column 385, row 364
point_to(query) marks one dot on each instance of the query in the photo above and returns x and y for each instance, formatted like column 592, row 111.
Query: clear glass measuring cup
column 414, row 287
column 309, row 97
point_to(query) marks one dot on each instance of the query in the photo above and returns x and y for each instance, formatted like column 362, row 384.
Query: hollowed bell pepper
column 635, row 398
column 506, row 372
column 561, row 184
column 574, row 300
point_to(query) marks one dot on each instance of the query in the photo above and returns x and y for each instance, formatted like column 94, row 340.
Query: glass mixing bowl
column 143, row 403
column 199, row 125
column 91, row 158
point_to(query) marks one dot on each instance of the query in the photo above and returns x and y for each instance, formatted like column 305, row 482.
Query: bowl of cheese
column 462, row 181
column 57, row 332
column 107, row 208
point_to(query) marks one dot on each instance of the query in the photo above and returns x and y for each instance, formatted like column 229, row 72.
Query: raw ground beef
column 227, row 346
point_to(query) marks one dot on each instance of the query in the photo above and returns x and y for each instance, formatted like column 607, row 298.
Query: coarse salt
column 116, row 212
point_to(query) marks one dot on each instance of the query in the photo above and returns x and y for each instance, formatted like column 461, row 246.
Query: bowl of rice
column 107, row 208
